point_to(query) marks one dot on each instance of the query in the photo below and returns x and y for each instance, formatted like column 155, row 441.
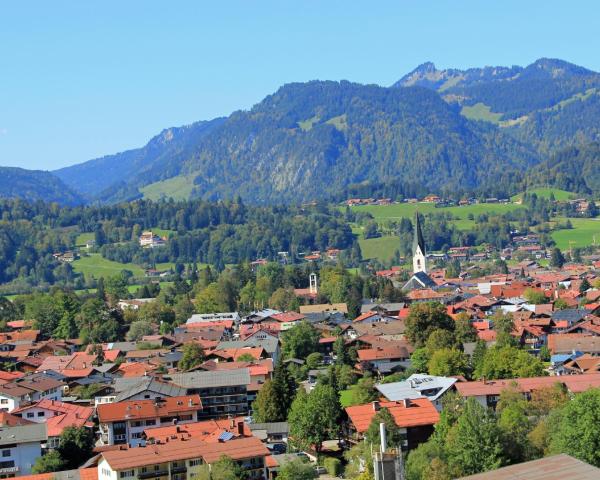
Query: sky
column 83, row 79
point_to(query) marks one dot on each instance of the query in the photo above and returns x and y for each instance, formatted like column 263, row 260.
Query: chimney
column 406, row 402
column 241, row 429
column 376, row 406
column 382, row 437
column 232, row 424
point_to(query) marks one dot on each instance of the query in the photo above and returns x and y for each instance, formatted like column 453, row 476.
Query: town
column 354, row 386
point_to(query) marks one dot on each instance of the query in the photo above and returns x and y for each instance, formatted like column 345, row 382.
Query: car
column 320, row 470
column 277, row 448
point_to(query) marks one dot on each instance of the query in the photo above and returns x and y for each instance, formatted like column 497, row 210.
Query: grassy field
column 179, row 188
column 480, row 111
column 96, row 265
column 585, row 231
column 382, row 248
column 407, row 210
column 346, row 398
column 559, row 194
column 82, row 238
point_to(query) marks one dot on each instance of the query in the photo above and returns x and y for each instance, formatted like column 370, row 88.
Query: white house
column 20, row 446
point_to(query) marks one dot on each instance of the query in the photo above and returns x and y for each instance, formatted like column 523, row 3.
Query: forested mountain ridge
column 313, row 140
column 34, row 185
column 160, row 158
column 309, row 140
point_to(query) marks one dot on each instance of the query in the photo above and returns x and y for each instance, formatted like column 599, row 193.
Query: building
column 151, row 240
column 419, row 253
column 20, row 447
column 125, row 422
column 222, row 392
column 415, row 418
column 182, row 460
column 29, row 389
column 418, row 386
column 556, row 467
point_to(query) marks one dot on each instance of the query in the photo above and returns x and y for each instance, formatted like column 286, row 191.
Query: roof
column 414, row 386
column 152, row 384
column 419, row 280
column 418, row 241
column 137, row 409
column 324, row 307
column 80, row 474
column 574, row 383
column 10, row 420
column 207, row 430
column 557, row 467
column 221, row 378
column 271, row 427
column 237, row 449
column 418, row 412
column 36, row 432
column 382, row 353
column 288, row 317
column 569, row 342
column 269, row 343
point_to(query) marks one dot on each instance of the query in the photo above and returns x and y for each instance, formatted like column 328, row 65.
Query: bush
column 333, row 466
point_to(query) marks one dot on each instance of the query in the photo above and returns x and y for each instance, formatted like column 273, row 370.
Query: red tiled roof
column 237, row 449
column 419, row 412
column 204, row 430
column 135, row 369
column 382, row 353
column 364, row 316
column 138, row 409
column 285, row 317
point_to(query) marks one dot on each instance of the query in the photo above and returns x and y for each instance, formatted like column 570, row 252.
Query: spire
column 418, row 238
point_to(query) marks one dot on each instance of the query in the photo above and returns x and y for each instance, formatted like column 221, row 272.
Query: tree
column 314, row 360
column 284, row 299
column 211, row 300
column 423, row 319
column 340, row 351
column 266, row 406
column 75, row 446
column 8, row 311
column 300, row 341
column 439, row 339
column 50, row 462
column 364, row 391
column 393, row 432
column 420, row 459
column 297, row 469
column 192, row 356
column 245, row 357
column 585, row 286
column 515, row 424
column 447, row 362
column 577, row 432
column 464, row 331
column 419, row 360
column 474, row 443
column 314, row 417
column 138, row 329
column 535, row 297
column 557, row 259
column 509, row 362
column 226, row 469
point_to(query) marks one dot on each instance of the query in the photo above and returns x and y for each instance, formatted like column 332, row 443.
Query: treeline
column 217, row 233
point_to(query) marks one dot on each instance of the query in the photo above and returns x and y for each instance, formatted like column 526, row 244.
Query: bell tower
column 419, row 259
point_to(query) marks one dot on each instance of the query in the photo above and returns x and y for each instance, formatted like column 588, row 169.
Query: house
column 383, row 359
column 259, row 339
column 415, row 418
column 21, row 446
column 183, row 460
column 214, row 317
column 57, row 416
column 134, row 303
column 324, row 307
column 271, row 432
column 29, row 389
column 573, row 342
column 125, row 422
column 151, row 240
column 418, row 386
column 487, row 392
column 146, row 388
column 222, row 392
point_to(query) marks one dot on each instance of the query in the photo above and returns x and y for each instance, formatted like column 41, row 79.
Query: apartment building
column 182, row 460
column 20, row 446
column 125, row 422
column 223, row 392
column 29, row 389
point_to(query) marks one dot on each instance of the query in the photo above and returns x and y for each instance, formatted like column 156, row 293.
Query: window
column 126, row 473
column 137, row 435
column 6, row 453
column 150, row 422
column 136, row 424
column 3, row 401
column 40, row 414
column 195, row 462
column 30, row 415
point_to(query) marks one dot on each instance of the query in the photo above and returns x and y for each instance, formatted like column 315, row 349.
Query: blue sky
column 82, row 79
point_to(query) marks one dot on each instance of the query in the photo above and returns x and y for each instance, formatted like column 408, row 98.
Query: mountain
column 550, row 104
column 159, row 159
column 434, row 130
column 34, row 185
column 574, row 169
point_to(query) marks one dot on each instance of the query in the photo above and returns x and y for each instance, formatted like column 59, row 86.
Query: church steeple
column 419, row 260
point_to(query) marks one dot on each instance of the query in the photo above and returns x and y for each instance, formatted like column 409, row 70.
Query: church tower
column 419, row 260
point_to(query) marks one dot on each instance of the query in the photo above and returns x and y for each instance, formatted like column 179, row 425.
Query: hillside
column 310, row 140
column 550, row 104
column 34, row 185
column 159, row 159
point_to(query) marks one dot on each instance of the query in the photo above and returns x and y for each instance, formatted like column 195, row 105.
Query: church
column 420, row 279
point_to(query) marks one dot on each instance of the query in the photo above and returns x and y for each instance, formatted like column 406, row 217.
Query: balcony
column 154, row 473
column 179, row 469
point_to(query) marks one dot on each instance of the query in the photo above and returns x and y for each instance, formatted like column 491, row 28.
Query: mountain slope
column 309, row 140
column 34, row 185
column 159, row 159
